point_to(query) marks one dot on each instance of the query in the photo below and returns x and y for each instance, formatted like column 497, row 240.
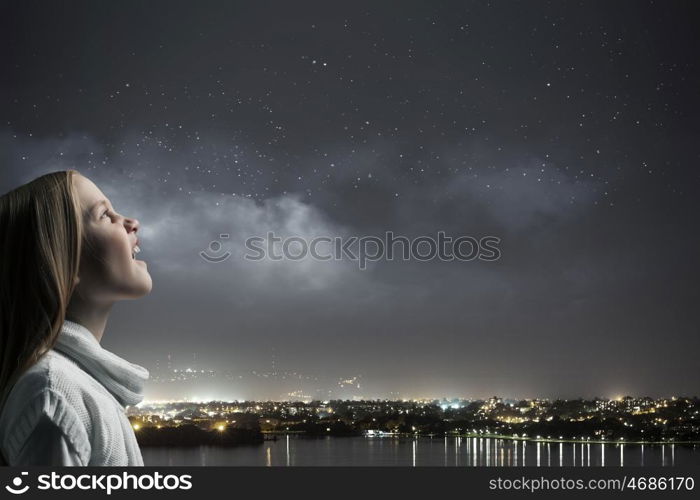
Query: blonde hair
column 40, row 243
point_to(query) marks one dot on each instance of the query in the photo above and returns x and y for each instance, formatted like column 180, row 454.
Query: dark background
column 567, row 129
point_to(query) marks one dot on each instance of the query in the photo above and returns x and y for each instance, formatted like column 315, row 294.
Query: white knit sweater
column 69, row 408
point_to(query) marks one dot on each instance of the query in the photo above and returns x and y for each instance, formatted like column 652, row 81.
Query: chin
column 146, row 286
column 140, row 286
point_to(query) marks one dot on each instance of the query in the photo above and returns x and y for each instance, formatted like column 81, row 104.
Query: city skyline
column 568, row 131
column 183, row 381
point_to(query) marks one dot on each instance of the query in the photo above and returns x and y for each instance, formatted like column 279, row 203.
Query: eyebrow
column 101, row 202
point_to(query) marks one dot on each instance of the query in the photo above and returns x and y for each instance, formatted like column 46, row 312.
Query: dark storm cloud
column 556, row 131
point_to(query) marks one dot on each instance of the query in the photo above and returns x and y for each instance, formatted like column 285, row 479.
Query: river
column 407, row 451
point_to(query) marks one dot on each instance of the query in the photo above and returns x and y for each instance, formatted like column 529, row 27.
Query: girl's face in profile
column 108, row 270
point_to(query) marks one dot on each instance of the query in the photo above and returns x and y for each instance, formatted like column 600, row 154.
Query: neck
column 90, row 315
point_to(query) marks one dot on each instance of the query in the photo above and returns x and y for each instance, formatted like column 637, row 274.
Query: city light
column 625, row 420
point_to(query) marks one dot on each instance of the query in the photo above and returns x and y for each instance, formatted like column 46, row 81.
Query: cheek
column 108, row 253
column 108, row 262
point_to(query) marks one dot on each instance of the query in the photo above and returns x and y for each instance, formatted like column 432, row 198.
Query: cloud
column 176, row 225
column 398, row 318
column 523, row 196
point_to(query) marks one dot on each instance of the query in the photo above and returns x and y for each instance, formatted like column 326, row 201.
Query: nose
column 131, row 225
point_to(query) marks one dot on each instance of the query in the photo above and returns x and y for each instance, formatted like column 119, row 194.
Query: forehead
column 88, row 193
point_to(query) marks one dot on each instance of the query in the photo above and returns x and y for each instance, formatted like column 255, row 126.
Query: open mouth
column 135, row 250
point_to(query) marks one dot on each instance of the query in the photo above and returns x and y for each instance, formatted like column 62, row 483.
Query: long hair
column 40, row 243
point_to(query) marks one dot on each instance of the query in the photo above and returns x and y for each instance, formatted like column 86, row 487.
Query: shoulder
column 49, row 390
column 53, row 372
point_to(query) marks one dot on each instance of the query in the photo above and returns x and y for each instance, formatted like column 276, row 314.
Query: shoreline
column 488, row 436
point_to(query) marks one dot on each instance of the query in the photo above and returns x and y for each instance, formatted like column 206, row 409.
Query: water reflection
column 452, row 451
column 289, row 462
column 622, row 455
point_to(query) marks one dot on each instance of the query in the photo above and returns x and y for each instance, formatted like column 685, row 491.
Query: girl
column 66, row 256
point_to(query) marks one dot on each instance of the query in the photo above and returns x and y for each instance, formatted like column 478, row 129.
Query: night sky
column 567, row 129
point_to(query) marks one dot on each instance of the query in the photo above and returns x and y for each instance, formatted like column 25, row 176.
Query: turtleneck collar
column 124, row 380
